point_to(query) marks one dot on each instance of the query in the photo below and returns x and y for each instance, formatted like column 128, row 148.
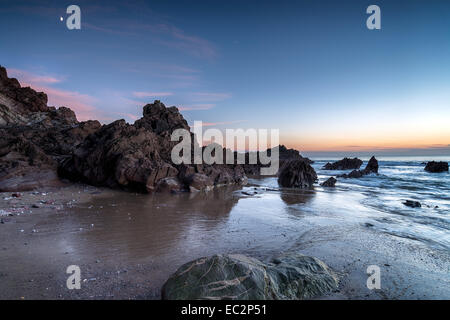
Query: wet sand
column 128, row 244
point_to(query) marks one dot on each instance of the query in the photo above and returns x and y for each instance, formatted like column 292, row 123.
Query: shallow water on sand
column 358, row 223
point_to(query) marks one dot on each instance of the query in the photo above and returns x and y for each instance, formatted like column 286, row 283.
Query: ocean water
column 380, row 199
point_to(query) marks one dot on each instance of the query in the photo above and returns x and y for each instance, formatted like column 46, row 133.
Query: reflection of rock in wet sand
column 291, row 197
column 149, row 225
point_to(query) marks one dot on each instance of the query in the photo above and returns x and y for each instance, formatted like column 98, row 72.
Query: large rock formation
column 34, row 138
column 435, row 167
column 39, row 142
column 344, row 164
column 296, row 174
column 285, row 154
column 138, row 157
column 234, row 276
column 371, row 167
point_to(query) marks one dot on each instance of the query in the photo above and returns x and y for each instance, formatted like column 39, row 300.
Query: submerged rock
column 331, row 182
column 344, row 164
column 236, row 276
column 412, row 204
column 297, row 174
column 435, row 167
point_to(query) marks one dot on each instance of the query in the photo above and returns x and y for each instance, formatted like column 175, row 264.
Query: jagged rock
column 371, row 167
column 285, row 154
column 161, row 120
column 434, row 166
column 412, row 204
column 137, row 157
column 344, row 164
column 119, row 155
column 235, row 276
column 330, row 182
column 296, row 174
column 34, row 137
column 20, row 100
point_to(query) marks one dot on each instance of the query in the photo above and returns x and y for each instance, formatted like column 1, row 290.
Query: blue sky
column 309, row 68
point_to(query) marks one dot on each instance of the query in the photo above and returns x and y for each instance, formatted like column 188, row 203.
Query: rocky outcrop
column 137, row 156
column 16, row 102
column 330, row 182
column 344, row 164
column 435, row 167
column 412, row 204
column 371, row 167
column 296, row 174
column 285, row 154
column 118, row 155
column 235, row 276
column 34, row 137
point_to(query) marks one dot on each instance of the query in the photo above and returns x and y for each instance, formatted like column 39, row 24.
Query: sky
column 311, row 69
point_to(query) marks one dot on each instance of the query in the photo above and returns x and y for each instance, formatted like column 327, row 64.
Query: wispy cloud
column 33, row 78
column 214, row 124
column 205, row 106
column 210, row 96
column 146, row 94
column 164, row 34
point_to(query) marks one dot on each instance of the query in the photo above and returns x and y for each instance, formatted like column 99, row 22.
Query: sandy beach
column 127, row 245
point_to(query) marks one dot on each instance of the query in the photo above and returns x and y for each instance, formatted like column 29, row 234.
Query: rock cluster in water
column 344, row 164
column 330, row 182
column 372, row 167
column 435, row 167
column 236, row 276
column 412, row 204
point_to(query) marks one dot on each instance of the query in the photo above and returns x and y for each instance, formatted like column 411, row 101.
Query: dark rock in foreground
column 296, row 174
column 412, row 204
column 344, row 164
column 331, row 182
column 236, row 276
column 372, row 167
column 435, row 167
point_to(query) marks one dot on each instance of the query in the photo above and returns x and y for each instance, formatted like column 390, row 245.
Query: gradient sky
column 309, row 68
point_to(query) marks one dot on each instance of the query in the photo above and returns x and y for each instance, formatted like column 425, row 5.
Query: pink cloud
column 213, row 124
column 210, row 96
column 32, row 78
column 205, row 106
column 143, row 94
column 82, row 104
